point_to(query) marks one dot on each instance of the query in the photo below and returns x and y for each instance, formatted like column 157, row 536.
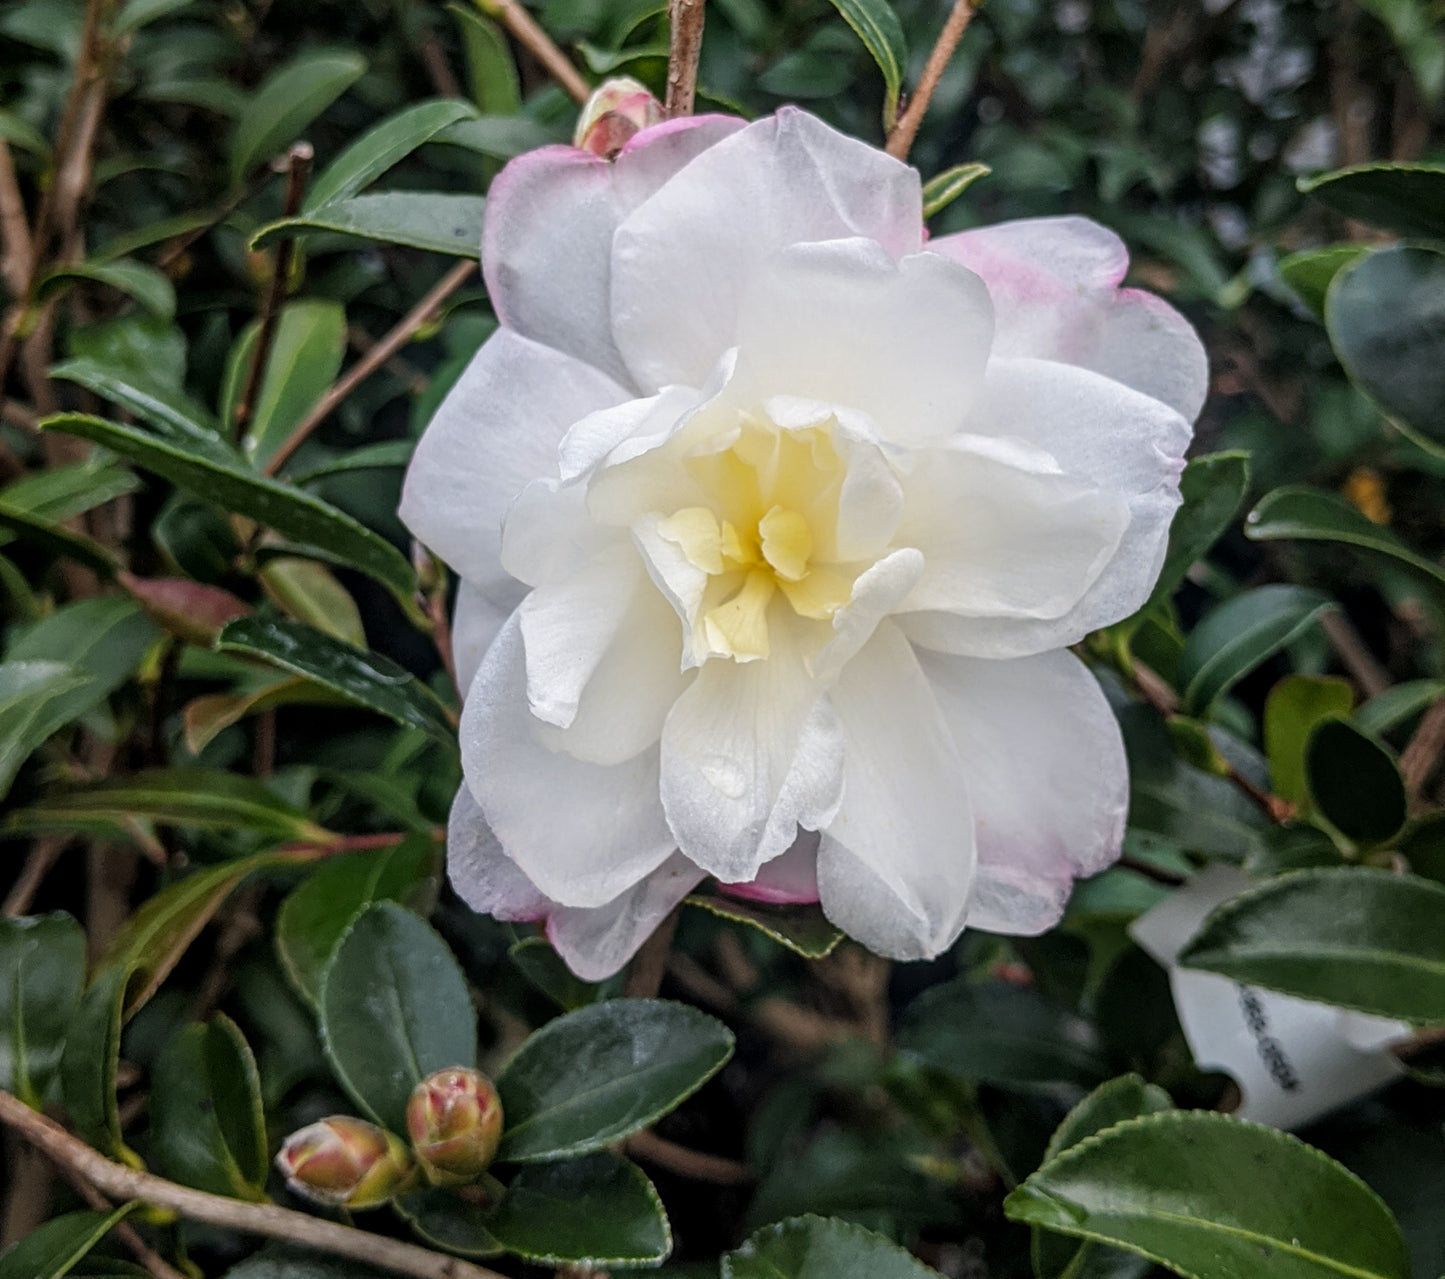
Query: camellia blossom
column 774, row 523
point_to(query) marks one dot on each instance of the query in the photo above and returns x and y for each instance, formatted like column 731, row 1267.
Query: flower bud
column 616, row 110
column 346, row 1163
column 455, row 1121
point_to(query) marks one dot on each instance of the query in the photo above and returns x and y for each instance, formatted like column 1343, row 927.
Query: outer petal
column 1054, row 283
column 896, row 866
column 1046, row 769
column 497, row 429
column 790, row 879
column 583, row 834
column 683, row 259
column 489, row 881
column 547, row 241
column 476, row 619
column 1103, row 435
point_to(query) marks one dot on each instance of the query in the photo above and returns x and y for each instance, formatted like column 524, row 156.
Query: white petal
column 582, row 833
column 482, row 874
column 790, row 879
column 1046, row 769
column 877, row 591
column 1054, row 283
column 749, row 753
column 476, row 619
column 498, row 428
column 896, row 866
column 597, row 942
column 547, row 239
column 682, row 259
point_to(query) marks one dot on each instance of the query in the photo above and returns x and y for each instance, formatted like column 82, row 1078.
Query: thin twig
column 15, row 250
column 42, row 856
column 273, row 1222
column 539, row 44
column 399, row 336
column 696, row 1164
column 644, row 977
column 905, row 128
column 1354, row 654
column 686, row 18
column 298, row 169
column 153, row 1262
column 1422, row 754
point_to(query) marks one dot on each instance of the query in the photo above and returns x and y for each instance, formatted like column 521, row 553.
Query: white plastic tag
column 1293, row 1059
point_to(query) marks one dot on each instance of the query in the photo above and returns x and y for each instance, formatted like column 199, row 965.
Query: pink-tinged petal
column 1045, row 765
column 547, row 239
column 1055, row 288
column 682, row 260
column 896, row 866
column 497, row 429
column 582, row 833
column 790, row 879
column 477, row 618
column 484, row 877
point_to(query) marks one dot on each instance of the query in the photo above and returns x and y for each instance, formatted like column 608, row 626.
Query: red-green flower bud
column 455, row 1121
column 616, row 110
column 346, row 1163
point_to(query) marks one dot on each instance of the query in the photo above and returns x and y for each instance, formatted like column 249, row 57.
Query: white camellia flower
column 774, row 524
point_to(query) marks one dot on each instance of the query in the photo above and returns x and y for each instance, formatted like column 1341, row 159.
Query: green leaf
column 206, row 717
column 57, row 542
column 305, row 357
column 944, row 188
column 548, row 972
column 595, row 1212
column 1127, row 1097
column 106, row 637
column 445, row 1220
column 431, row 220
column 1240, row 634
column 385, row 456
column 501, row 137
column 1215, row 1198
column 35, row 701
column 365, row 679
column 233, row 485
column 1408, row 199
column 821, row 1248
column 90, row 1057
column 135, row 14
column 802, row 929
column 1306, row 514
column 1423, row 847
column 318, row 911
column 878, row 27
column 394, row 1008
column 491, row 69
column 1000, row 1034
column 42, row 971
column 152, row 289
column 310, row 594
column 1309, row 272
column 596, row 1075
column 206, row 1121
column 1397, row 705
column 1354, row 783
column 287, row 101
column 1294, row 707
column 1212, row 488
column 1353, row 937
column 57, row 1247
column 381, row 147
column 65, row 491
column 1386, row 318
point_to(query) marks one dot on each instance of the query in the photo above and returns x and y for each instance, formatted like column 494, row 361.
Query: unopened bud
column 616, row 110
column 455, row 1121
column 346, row 1163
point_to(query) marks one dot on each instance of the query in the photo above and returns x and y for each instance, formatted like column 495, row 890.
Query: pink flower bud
column 455, row 1121
column 346, row 1163
column 616, row 110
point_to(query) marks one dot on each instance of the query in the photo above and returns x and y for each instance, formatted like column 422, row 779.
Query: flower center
column 766, row 531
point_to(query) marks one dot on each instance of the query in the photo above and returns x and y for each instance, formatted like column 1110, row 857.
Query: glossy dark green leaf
column 802, row 929
column 821, row 1248
column 90, row 1057
column 57, row 542
column 1293, row 847
column 1353, row 781
column 42, row 971
column 318, row 911
column 35, row 701
column 394, row 1008
column 151, row 288
column 287, row 101
column 499, row 136
column 1238, row 635
column 1398, row 704
column 312, row 598
column 596, row 1075
column 207, row 1126
column 1408, row 199
column 56, row 1248
column 382, row 146
column 944, row 188
column 1386, row 317
column 548, row 972
column 433, row 220
column 491, row 68
column 1358, row 938
column 305, row 357
column 443, row 1219
column 1291, row 712
column 1309, row 272
column 285, row 1261
column 60, row 492
column 364, row 678
column 1214, row 1198
column 878, row 27
column 388, row 455
column 1423, row 847
column 207, row 717
column 599, row 1211
column 232, row 484
column 1212, row 488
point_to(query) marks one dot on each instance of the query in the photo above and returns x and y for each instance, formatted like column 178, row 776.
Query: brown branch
column 644, row 976
column 298, row 169
column 697, row 1165
column 905, row 128
column 539, row 44
column 399, row 336
column 41, row 857
column 1421, row 755
column 686, row 19
column 15, row 248
column 273, row 1222
column 1354, row 653
column 153, row 1262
